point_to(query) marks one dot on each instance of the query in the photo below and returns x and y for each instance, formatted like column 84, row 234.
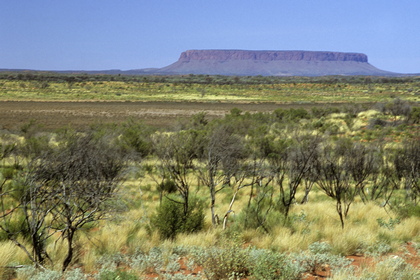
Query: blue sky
column 133, row 34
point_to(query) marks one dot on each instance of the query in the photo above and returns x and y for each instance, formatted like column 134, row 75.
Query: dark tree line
column 74, row 77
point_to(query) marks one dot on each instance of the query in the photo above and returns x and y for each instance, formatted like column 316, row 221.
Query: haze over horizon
column 135, row 34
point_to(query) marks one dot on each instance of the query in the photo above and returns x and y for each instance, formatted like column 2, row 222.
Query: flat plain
column 79, row 115
column 267, row 121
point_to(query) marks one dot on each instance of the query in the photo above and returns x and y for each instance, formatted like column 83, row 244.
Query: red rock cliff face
column 225, row 55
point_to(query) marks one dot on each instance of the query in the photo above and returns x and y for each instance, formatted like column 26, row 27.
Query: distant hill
column 254, row 63
column 273, row 63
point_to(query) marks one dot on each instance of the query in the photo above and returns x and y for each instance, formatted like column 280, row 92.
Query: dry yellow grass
column 10, row 254
column 286, row 241
column 204, row 239
column 89, row 259
column 7, row 254
column 408, row 230
column 57, row 252
column 319, row 222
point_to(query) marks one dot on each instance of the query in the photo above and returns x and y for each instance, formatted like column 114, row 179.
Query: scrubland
column 44, row 86
column 282, row 195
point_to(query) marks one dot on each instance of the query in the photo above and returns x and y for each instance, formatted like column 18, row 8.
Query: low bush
column 378, row 249
column 229, row 263
column 268, row 265
column 170, row 218
column 377, row 123
column 151, row 262
column 320, row 257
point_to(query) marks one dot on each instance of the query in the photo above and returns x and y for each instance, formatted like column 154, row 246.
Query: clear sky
column 134, row 34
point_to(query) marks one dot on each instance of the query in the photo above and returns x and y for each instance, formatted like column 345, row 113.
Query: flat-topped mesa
column 272, row 63
column 225, row 55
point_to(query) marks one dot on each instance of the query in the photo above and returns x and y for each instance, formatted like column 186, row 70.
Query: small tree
column 397, row 108
column 260, row 175
column 363, row 162
column 334, row 177
column 135, row 139
column 81, row 179
column 222, row 151
column 300, row 162
column 24, row 208
column 176, row 153
column 407, row 167
column 291, row 162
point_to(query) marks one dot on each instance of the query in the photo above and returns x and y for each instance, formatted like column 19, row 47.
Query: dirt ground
column 79, row 115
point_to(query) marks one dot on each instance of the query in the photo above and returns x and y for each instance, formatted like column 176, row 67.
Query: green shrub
column 259, row 214
column 376, row 123
column 135, row 138
column 318, row 112
column 34, row 146
column 407, row 210
column 170, row 218
column 167, row 186
column 291, row 114
column 415, row 115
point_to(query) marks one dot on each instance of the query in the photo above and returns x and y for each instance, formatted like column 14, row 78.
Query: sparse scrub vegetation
column 275, row 195
column 55, row 86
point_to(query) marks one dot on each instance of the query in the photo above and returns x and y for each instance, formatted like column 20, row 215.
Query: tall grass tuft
column 7, row 253
column 203, row 239
column 395, row 267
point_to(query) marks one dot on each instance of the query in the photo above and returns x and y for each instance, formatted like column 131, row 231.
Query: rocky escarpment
column 224, row 55
column 273, row 63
